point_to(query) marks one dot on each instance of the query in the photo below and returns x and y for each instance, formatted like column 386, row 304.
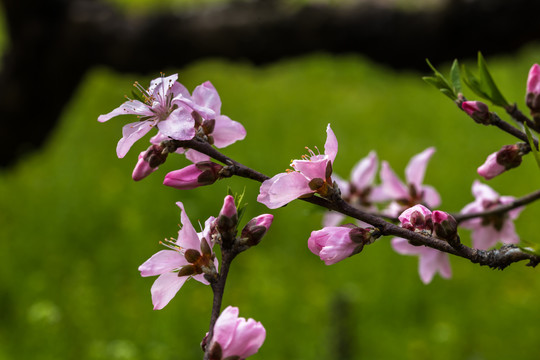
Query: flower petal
column 206, row 95
column 162, row 262
column 133, row 107
column 313, row 168
column 364, row 171
column 484, row 237
column 416, row 169
column 165, row 288
column 225, row 326
column 130, row 134
column 402, row 246
column 187, row 236
column 430, row 196
column 227, row 131
column 391, row 184
column 282, row 189
column 483, row 192
column 331, row 145
column 194, row 156
column 180, row 125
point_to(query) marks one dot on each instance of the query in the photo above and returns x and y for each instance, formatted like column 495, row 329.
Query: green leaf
column 440, row 82
column 455, row 76
column 489, row 85
column 531, row 144
column 473, row 83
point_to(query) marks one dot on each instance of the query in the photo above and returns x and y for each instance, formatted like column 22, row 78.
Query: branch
column 497, row 258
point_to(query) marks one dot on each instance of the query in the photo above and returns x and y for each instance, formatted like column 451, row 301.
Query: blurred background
column 74, row 226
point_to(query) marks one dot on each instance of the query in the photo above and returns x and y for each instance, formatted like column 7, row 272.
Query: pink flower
column 142, row 168
column 235, row 337
column 430, row 262
column 193, row 176
column 310, row 175
column 229, row 208
column 477, row 110
column 219, row 129
column 488, row 230
column 333, row 244
column 160, row 108
column 360, row 191
column 186, row 259
column 414, row 192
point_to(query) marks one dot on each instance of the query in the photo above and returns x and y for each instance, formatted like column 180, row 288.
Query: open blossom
column 235, row 337
column 487, row 231
column 335, row 243
column 430, row 260
column 160, row 108
column 311, row 175
column 413, row 192
column 359, row 191
column 187, row 258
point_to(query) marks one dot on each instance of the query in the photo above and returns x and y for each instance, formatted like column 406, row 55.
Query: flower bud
column 193, row 176
column 227, row 221
column 255, row 229
column 142, row 168
column 507, row 158
column 444, row 225
column 532, row 98
column 417, row 217
column 478, row 111
column 335, row 243
column 235, row 337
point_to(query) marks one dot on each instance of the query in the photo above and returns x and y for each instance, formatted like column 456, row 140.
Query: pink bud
column 507, row 158
column 256, row 228
column 229, row 208
column 444, row 225
column 417, row 217
column 491, row 168
column 334, row 243
column 142, row 168
column 533, row 81
column 477, row 110
column 193, row 176
column 235, row 337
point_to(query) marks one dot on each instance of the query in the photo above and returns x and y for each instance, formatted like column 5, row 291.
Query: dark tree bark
column 53, row 43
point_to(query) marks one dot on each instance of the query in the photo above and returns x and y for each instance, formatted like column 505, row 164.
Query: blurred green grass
column 75, row 227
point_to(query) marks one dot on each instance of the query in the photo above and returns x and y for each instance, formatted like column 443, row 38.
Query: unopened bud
column 142, row 168
column 478, row 111
column 496, row 163
column 255, row 229
column 444, row 225
column 417, row 217
column 532, row 98
column 193, row 176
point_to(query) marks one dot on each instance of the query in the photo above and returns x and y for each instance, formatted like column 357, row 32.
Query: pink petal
column 282, row 189
column 227, row 131
column 206, row 95
column 249, row 337
column 364, row 172
column 415, row 170
column 343, row 185
column 130, row 134
column 331, row 145
column 508, row 233
column 165, row 287
column 391, row 185
column 179, row 125
column 133, row 107
column 484, row 192
column 433, row 261
column 194, row 156
column 187, row 236
column 332, row 218
column 533, row 81
column 225, row 327
column 402, row 246
column 514, row 213
column 162, row 262
column 162, row 83
column 313, row 168
column 430, row 196
column 484, row 237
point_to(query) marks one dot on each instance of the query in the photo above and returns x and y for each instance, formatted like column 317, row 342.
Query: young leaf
column 440, row 82
column 455, row 76
column 488, row 84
